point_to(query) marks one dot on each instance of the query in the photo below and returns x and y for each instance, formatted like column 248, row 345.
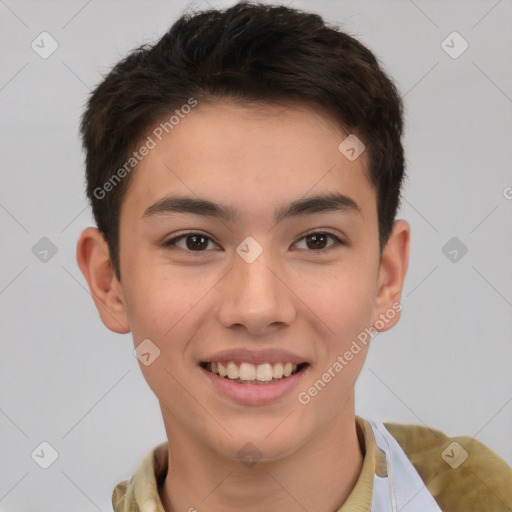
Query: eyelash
column 172, row 242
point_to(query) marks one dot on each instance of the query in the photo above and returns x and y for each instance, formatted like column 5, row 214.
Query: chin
column 263, row 443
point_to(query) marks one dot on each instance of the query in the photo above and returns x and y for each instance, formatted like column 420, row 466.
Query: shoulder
column 119, row 493
column 461, row 473
column 141, row 491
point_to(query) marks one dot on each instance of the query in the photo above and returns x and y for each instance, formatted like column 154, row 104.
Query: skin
column 311, row 302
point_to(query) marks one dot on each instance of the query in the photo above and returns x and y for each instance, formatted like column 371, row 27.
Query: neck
column 318, row 476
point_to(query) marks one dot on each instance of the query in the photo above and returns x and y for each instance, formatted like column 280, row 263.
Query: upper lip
column 255, row 356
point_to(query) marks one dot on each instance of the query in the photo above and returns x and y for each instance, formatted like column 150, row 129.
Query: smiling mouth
column 247, row 373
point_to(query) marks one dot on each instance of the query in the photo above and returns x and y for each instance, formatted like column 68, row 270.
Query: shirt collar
column 140, row 494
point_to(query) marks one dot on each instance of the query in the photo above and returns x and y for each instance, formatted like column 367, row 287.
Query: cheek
column 343, row 301
column 345, row 306
column 351, row 312
column 346, row 349
column 159, row 308
column 156, row 303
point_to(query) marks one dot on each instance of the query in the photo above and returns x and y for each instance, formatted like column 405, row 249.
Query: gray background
column 67, row 380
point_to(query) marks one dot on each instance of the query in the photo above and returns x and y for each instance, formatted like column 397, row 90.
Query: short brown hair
column 249, row 52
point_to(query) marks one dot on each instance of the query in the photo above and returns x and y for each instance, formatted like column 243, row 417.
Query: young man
column 245, row 173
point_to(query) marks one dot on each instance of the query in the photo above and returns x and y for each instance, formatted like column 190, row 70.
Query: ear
column 93, row 258
column 393, row 267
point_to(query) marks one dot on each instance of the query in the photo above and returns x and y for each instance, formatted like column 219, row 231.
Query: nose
column 256, row 296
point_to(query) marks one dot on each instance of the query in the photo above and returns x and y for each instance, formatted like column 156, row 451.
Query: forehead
column 249, row 156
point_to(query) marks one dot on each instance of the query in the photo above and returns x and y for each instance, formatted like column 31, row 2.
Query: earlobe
column 393, row 267
column 93, row 258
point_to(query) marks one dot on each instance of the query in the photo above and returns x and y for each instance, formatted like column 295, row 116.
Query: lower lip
column 255, row 394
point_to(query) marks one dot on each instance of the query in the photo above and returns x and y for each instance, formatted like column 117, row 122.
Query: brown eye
column 191, row 242
column 319, row 241
column 316, row 241
column 194, row 242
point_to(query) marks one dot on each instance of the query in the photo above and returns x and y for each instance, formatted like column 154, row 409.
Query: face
column 248, row 241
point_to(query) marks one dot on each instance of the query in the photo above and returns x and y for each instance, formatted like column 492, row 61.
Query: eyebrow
column 320, row 203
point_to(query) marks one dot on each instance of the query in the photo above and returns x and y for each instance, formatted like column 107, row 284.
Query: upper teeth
column 247, row 371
